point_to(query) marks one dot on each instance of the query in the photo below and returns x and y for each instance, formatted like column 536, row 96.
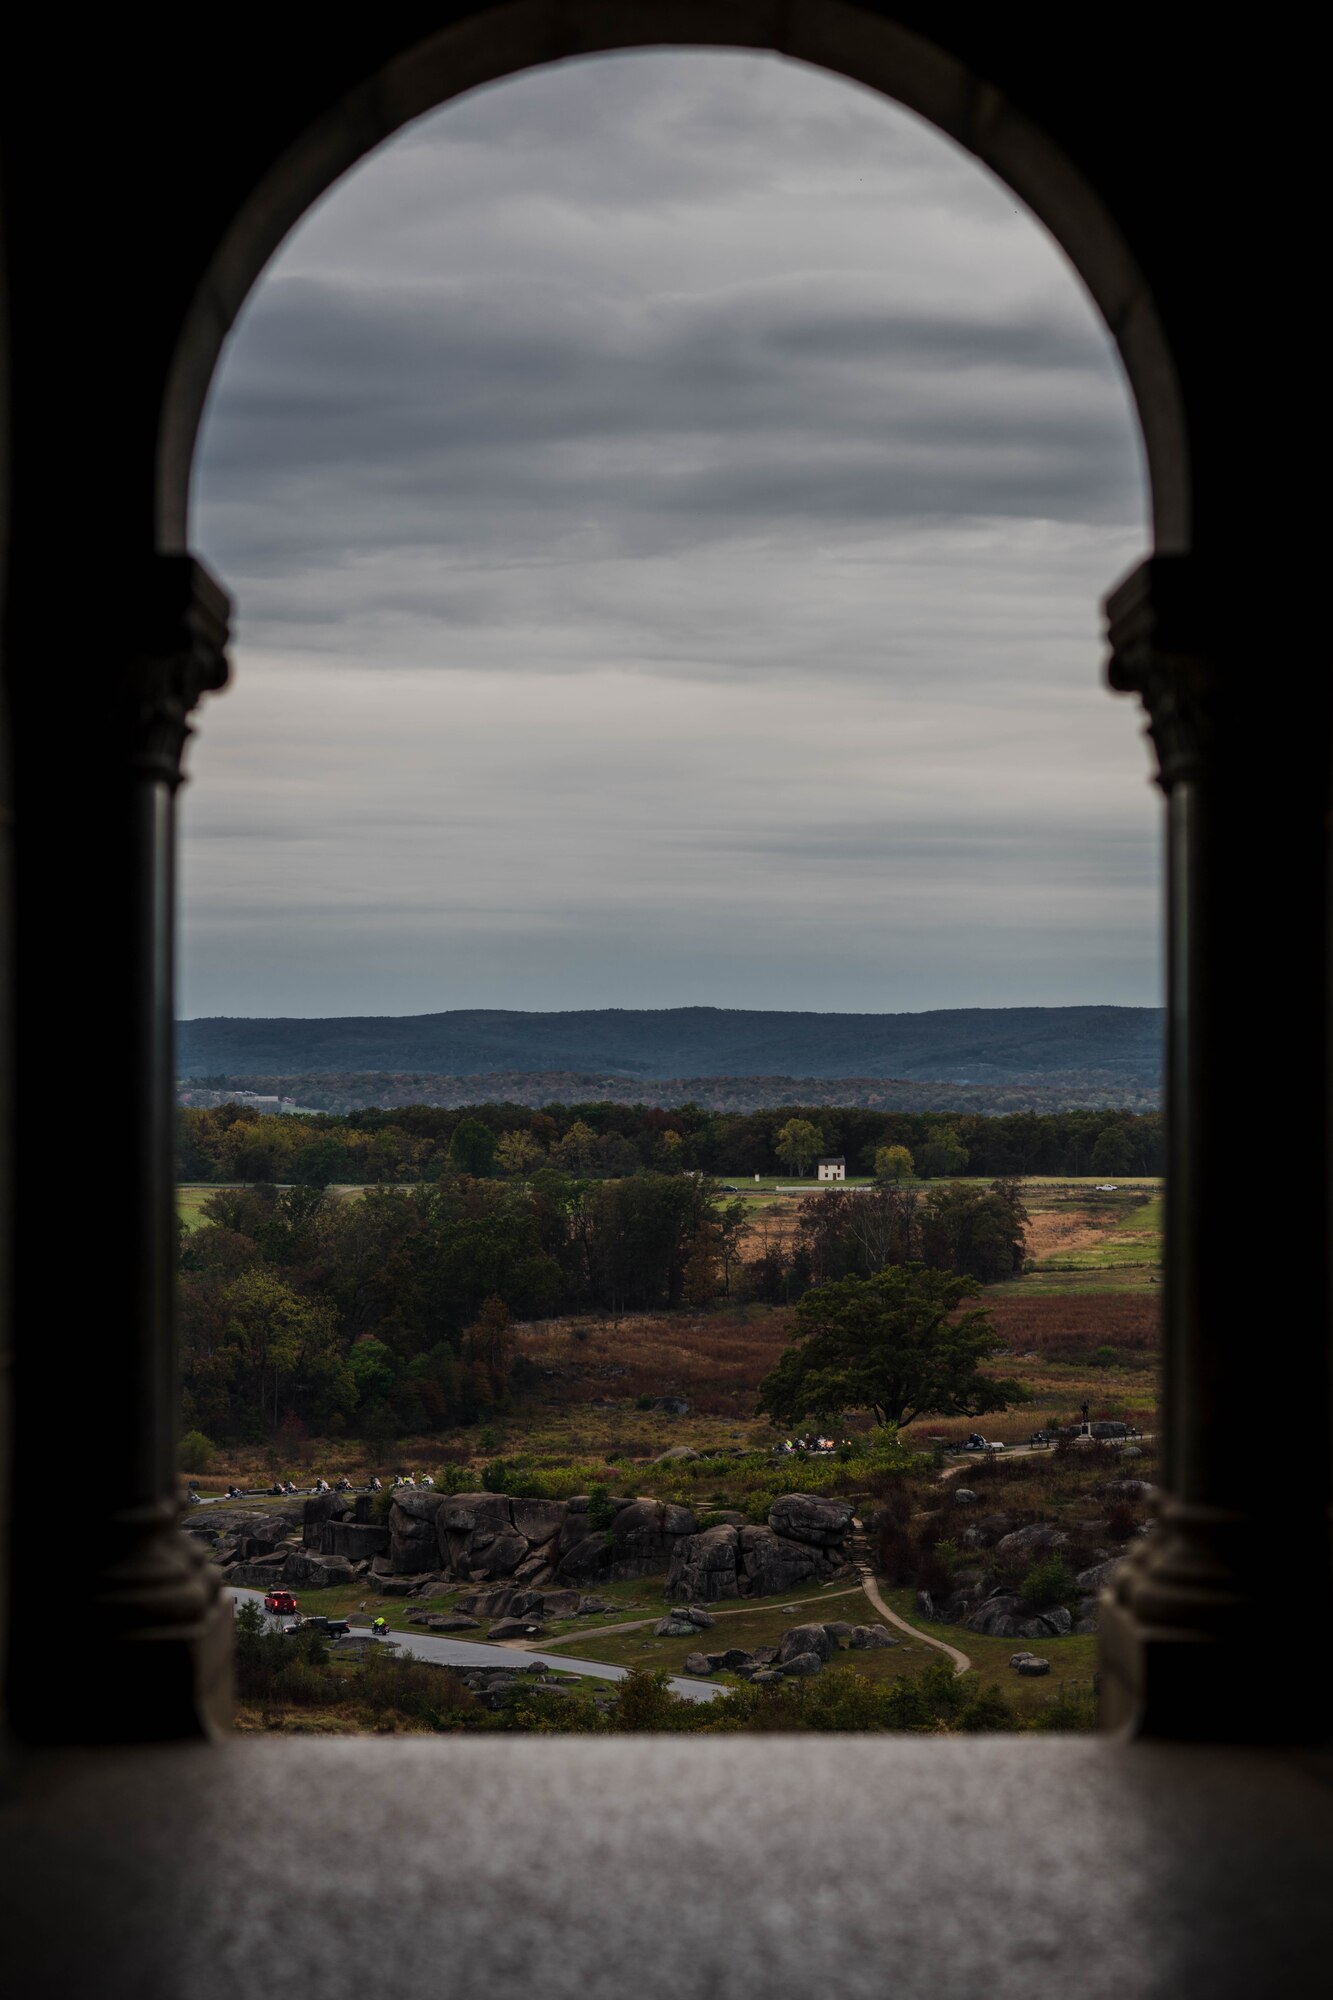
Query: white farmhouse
column 833, row 1169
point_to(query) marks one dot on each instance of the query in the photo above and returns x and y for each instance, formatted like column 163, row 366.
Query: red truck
column 279, row 1600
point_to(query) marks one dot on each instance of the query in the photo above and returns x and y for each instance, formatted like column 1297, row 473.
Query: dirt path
column 637, row 1624
column 961, row 1663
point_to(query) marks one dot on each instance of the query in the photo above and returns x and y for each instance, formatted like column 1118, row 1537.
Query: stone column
column 1218, row 1625
column 120, row 1633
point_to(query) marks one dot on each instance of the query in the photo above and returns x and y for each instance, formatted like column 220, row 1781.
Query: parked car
column 279, row 1600
column 327, row 1628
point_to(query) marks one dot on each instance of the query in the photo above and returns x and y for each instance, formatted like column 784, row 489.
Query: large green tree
column 895, row 1344
column 798, row 1143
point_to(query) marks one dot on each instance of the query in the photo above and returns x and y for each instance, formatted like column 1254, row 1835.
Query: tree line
column 392, row 1314
column 609, row 1141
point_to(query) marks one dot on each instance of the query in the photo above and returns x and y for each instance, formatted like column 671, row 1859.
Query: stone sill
column 639, row 1868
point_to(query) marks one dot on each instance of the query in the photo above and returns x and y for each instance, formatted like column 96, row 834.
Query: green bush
column 601, row 1512
column 758, row 1505
column 454, row 1479
column 196, row 1452
column 516, row 1476
column 1048, row 1582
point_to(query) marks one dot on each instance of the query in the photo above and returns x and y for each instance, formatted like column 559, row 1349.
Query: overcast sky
column 667, row 500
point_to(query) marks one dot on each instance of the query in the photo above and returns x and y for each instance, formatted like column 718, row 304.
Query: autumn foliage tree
column 897, row 1345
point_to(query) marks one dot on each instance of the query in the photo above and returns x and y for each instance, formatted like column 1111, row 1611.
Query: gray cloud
column 667, row 500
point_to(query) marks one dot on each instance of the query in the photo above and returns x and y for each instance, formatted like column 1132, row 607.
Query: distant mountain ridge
column 972, row 1045
column 332, row 1090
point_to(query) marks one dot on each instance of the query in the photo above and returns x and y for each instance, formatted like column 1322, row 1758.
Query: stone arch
column 502, row 40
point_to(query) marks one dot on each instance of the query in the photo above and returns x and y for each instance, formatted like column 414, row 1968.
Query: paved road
column 473, row 1653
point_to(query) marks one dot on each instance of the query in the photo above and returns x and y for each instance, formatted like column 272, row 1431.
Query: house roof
column 833, row 1160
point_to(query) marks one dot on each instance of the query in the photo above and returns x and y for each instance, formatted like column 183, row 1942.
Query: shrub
column 601, row 1512
column 1048, row 1582
column 196, row 1452
column 758, row 1507
column 1073, row 1707
column 515, row 1476
column 301, row 1683
column 454, row 1479
column 643, row 1402
column 1103, row 1357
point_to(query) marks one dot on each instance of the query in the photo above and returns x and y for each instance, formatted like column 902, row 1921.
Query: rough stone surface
column 1128, row 1489
column 985, row 1533
column 963, row 1496
column 703, row 1567
column 319, row 1508
column 806, row 1517
column 698, row 1663
column 770, row 1564
column 356, row 1540
column 503, row 1602
column 1002, row 1617
column 412, row 1532
column 872, row 1635
column 1033, row 1665
column 1098, row 1576
column 801, row 1665
column 308, row 1572
column 538, row 1521
column 515, row 1628
column 589, row 1556
column 673, row 1627
column 644, row 1535
column 559, row 1603
column 1038, row 1536
column 799, row 1639
column 476, row 1534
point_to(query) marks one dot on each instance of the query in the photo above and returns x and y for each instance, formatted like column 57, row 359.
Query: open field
column 1080, row 1324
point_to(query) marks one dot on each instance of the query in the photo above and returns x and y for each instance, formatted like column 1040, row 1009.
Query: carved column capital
column 1160, row 624
column 180, row 638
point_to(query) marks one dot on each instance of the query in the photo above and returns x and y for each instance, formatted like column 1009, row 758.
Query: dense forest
column 392, row 1314
column 357, row 1090
column 976, row 1045
column 609, row 1141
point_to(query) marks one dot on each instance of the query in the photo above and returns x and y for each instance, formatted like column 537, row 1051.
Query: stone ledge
column 590, row 1869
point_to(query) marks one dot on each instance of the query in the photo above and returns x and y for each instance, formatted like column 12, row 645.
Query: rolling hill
column 976, row 1046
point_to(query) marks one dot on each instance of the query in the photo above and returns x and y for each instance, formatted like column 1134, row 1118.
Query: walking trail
column 961, row 1663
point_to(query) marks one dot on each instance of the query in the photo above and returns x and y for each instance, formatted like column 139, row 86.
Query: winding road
column 474, row 1653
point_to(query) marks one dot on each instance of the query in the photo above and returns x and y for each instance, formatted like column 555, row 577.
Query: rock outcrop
column 806, row 1541
column 490, row 1538
column 1003, row 1616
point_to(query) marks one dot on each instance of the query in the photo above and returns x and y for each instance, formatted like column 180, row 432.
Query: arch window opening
column 667, row 498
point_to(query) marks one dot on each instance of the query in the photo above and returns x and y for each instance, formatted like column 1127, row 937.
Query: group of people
column 342, row 1485
column 808, row 1444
